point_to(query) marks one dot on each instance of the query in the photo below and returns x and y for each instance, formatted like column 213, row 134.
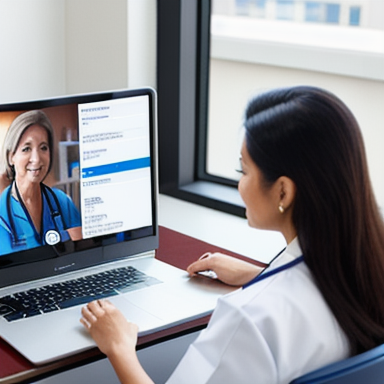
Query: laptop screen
column 78, row 182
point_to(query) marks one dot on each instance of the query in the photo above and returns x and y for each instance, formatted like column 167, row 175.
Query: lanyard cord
column 267, row 274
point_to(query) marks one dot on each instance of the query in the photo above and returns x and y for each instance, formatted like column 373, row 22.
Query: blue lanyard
column 267, row 274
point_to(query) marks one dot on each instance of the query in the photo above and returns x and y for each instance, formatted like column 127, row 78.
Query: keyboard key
column 85, row 299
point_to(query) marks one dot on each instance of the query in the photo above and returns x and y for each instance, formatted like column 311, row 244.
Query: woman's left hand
column 228, row 269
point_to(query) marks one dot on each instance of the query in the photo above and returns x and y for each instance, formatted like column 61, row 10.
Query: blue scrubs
column 27, row 236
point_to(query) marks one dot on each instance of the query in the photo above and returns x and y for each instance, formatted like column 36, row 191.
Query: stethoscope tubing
column 54, row 213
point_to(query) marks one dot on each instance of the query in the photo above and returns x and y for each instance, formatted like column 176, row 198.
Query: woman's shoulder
column 290, row 291
column 285, row 283
column 287, row 310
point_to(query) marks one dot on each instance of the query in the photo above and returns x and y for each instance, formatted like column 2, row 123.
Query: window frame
column 183, row 54
column 184, row 50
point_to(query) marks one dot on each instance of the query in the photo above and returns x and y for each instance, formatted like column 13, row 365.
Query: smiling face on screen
column 31, row 160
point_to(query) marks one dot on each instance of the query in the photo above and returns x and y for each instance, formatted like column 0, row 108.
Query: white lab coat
column 271, row 332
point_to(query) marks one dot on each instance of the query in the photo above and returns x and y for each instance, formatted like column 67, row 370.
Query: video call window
column 74, row 172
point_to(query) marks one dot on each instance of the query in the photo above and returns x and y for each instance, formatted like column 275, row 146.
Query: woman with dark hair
column 305, row 175
column 31, row 213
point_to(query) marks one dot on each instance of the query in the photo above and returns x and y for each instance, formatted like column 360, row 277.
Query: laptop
column 99, row 230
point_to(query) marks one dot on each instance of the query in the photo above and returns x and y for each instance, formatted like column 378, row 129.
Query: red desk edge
column 176, row 249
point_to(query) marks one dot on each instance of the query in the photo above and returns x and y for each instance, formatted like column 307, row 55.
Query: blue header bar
column 124, row 166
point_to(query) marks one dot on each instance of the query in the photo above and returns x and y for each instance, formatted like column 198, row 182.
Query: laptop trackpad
column 171, row 303
column 133, row 313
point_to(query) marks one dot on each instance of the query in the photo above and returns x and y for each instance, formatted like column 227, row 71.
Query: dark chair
column 366, row 368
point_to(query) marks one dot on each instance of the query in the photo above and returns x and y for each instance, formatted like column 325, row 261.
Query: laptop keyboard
column 78, row 291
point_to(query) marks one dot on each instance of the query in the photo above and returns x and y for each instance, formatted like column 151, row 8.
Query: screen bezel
column 48, row 261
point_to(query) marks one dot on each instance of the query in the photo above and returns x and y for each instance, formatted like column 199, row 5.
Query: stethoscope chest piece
column 52, row 237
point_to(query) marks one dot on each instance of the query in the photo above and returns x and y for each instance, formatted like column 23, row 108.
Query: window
column 209, row 67
column 332, row 13
column 354, row 16
column 182, row 67
column 322, row 12
column 285, row 9
column 259, row 9
column 250, row 54
column 242, row 7
column 313, row 11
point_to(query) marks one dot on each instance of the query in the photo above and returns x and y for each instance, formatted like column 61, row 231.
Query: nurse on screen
column 31, row 213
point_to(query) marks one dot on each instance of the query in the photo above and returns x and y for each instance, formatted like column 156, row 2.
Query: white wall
column 233, row 83
column 32, row 51
column 110, row 44
column 50, row 48
column 142, row 28
column 96, row 45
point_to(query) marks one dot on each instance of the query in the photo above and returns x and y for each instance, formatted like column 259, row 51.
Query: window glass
column 341, row 12
column 273, row 23
column 322, row 12
column 285, row 9
column 313, row 11
column 332, row 13
column 354, row 16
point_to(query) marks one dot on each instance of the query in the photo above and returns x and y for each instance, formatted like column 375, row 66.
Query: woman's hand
column 116, row 337
column 109, row 328
column 229, row 270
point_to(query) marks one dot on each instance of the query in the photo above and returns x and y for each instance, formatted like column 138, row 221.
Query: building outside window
column 342, row 12
column 330, row 25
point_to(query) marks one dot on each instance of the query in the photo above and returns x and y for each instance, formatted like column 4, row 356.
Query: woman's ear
column 286, row 190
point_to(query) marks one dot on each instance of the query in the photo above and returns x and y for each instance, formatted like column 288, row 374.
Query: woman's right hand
column 229, row 270
column 109, row 328
column 116, row 337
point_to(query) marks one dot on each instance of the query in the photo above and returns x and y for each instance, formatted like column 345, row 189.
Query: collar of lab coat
column 290, row 253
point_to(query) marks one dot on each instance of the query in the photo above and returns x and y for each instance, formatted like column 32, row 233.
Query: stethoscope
column 51, row 236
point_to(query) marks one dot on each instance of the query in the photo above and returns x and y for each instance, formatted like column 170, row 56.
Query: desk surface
column 174, row 248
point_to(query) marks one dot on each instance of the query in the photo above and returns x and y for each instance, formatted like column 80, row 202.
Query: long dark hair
column 310, row 136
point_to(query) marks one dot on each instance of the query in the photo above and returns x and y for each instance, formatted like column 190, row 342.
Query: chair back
column 365, row 368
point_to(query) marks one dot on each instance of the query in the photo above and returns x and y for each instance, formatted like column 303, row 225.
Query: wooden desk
column 174, row 248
